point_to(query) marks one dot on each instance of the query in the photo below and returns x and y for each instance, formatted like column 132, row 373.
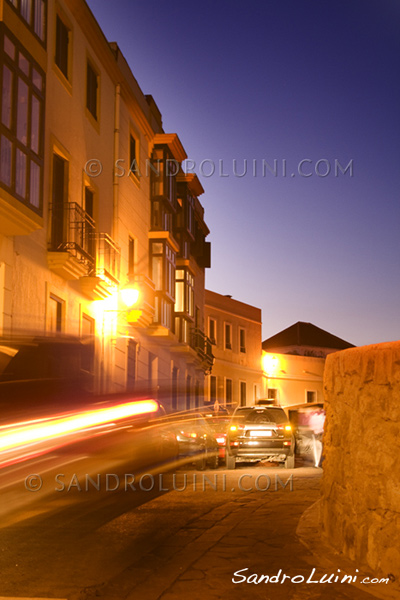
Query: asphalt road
column 168, row 535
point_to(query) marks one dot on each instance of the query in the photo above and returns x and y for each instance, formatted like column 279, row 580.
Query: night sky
column 285, row 81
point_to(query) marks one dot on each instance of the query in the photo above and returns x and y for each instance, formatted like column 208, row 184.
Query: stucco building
column 294, row 361
column 93, row 201
column 234, row 329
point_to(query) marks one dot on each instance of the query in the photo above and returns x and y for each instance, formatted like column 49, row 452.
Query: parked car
column 196, row 440
column 260, row 433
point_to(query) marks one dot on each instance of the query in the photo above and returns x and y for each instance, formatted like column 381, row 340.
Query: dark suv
column 260, row 433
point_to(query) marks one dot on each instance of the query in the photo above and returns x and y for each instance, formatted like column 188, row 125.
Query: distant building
column 294, row 361
column 234, row 329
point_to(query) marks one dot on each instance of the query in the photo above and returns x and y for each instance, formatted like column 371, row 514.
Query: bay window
column 33, row 13
column 22, row 123
column 163, row 261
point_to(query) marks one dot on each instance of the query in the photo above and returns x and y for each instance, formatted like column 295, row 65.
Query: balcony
column 103, row 277
column 202, row 345
column 72, row 245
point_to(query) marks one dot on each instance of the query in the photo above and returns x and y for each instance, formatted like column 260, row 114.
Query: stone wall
column 361, row 481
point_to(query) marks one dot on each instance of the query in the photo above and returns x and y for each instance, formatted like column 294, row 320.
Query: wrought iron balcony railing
column 203, row 346
column 72, row 230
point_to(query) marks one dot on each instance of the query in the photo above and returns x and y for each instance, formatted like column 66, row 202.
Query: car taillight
column 234, row 428
column 284, row 427
column 288, row 443
column 186, row 434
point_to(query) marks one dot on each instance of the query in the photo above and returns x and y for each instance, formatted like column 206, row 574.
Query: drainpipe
column 116, row 151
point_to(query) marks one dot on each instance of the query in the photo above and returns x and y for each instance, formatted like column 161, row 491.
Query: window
column 164, row 169
column 22, row 124
column 62, row 47
column 55, row 314
column 163, row 268
column 91, row 91
column 243, row 393
column 188, row 392
column 88, row 242
column 228, row 336
column 311, row 396
column 153, row 372
column 87, row 331
column 242, row 340
column 272, row 394
column 133, row 157
column 182, row 329
column 131, row 360
column 212, row 330
column 213, row 389
column 174, row 394
column 59, row 196
column 228, row 391
column 33, row 12
column 131, row 256
column 163, row 260
column 184, row 292
column 89, row 201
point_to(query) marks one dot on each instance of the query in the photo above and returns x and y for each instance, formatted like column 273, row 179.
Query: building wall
column 232, row 364
column 34, row 274
column 360, row 486
column 288, row 378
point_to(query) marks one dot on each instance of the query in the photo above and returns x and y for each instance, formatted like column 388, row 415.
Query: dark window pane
column 35, row 124
column 9, row 47
column 34, row 187
column 62, row 41
column 22, row 112
column 26, row 9
column 20, row 174
column 6, row 97
column 38, row 25
column 23, row 64
column 5, row 161
column 89, row 201
column 91, row 91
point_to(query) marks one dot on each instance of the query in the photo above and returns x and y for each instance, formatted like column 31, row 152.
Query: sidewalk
column 256, row 531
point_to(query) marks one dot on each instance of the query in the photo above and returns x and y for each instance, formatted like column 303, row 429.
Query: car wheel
column 201, row 462
column 230, row 461
column 289, row 462
column 213, row 462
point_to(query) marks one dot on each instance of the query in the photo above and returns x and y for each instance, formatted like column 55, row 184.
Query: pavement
column 256, row 536
column 272, row 533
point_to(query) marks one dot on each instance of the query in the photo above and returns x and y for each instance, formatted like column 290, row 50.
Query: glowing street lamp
column 129, row 296
column 270, row 364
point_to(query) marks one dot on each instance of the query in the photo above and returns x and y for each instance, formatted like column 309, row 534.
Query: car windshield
column 261, row 415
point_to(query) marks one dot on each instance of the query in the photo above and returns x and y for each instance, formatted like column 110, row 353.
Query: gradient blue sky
column 286, row 80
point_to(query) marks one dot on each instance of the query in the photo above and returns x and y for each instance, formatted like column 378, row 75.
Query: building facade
column 234, row 329
column 294, row 362
column 94, row 203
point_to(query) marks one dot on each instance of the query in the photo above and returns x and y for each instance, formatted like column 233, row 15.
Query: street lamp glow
column 270, row 364
column 129, row 296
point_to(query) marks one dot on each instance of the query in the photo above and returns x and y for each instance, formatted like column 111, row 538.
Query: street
column 165, row 535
